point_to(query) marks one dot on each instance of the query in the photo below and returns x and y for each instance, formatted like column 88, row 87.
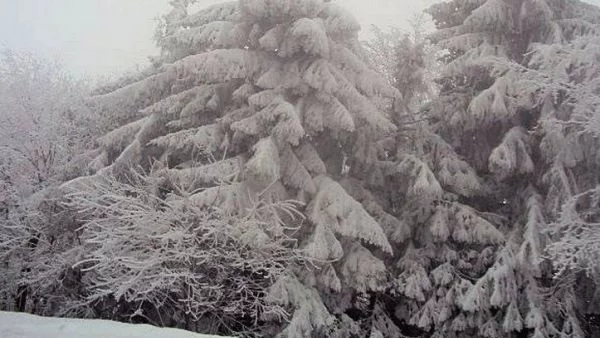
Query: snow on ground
column 21, row 325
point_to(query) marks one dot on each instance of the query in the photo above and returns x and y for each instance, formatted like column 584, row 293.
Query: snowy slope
column 21, row 325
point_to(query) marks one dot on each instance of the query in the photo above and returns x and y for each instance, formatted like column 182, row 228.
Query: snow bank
column 22, row 325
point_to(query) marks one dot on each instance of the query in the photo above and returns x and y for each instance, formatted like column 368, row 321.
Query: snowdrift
column 22, row 325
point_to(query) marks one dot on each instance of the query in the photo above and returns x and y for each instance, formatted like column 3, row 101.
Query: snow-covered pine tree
column 273, row 98
column 489, row 111
column 408, row 61
column 416, row 179
column 566, row 73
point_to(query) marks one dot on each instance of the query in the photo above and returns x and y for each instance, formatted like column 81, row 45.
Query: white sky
column 107, row 37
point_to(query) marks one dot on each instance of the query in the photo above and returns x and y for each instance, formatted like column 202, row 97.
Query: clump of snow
column 23, row 325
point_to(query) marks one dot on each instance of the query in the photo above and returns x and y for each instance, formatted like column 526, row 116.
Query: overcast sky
column 107, row 37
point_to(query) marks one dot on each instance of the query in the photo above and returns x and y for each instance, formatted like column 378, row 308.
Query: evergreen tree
column 566, row 73
column 408, row 60
column 279, row 162
column 475, row 266
column 269, row 100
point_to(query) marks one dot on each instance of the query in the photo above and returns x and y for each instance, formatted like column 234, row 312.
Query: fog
column 107, row 37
